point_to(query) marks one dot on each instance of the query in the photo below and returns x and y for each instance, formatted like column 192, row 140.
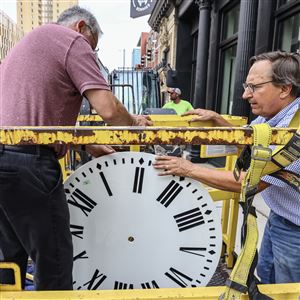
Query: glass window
column 231, row 22
column 227, row 79
column 283, row 2
column 227, row 54
column 289, row 34
column 194, row 65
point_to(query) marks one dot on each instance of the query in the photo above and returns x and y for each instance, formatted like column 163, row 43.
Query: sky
column 121, row 33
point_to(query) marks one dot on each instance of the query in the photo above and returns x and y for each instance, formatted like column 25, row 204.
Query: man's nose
column 247, row 94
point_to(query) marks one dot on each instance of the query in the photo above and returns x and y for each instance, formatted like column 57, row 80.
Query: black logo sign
column 139, row 8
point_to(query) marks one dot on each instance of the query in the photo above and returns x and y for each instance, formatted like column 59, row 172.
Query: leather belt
column 29, row 149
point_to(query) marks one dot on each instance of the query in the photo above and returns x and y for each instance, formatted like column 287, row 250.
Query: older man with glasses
column 272, row 89
column 43, row 80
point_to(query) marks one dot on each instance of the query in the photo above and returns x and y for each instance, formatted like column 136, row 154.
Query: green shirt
column 180, row 108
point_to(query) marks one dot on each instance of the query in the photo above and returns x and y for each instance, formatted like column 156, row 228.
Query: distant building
column 9, row 34
column 31, row 14
column 142, row 43
column 136, row 57
column 209, row 43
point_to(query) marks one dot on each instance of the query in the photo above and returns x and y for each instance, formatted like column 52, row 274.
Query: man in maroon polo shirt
column 42, row 82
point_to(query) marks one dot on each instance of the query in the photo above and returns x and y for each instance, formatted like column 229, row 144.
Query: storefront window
column 231, row 22
column 227, row 50
column 283, row 2
column 228, row 61
column 194, row 64
column 289, row 34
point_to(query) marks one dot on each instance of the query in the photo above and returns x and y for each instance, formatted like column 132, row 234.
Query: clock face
column 134, row 229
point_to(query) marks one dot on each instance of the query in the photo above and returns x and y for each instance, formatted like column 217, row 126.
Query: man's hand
column 173, row 166
column 207, row 115
column 99, row 150
column 141, row 120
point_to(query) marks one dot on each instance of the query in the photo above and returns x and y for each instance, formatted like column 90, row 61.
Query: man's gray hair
column 285, row 68
column 76, row 13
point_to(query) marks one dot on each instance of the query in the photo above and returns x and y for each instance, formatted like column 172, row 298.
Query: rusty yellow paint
column 137, row 135
column 277, row 292
column 89, row 118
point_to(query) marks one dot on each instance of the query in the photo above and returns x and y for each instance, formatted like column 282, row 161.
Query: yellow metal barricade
column 14, row 292
column 141, row 136
column 230, row 207
column 11, row 287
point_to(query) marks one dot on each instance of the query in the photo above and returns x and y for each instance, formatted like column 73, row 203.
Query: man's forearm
column 120, row 116
column 223, row 180
column 109, row 107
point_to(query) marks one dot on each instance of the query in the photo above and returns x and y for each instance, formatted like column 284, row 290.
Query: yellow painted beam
column 277, row 292
column 174, row 120
column 137, row 135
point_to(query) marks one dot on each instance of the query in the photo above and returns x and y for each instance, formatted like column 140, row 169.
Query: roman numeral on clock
column 96, row 280
column 138, row 180
column 77, row 230
column 105, row 184
column 193, row 250
column 169, row 193
column 81, row 255
column 189, row 219
column 82, row 201
column 122, row 286
column 178, row 277
column 150, row 285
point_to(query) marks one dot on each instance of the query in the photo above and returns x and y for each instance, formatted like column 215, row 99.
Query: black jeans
column 34, row 218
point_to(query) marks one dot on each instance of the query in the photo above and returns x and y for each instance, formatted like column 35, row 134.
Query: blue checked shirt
column 279, row 196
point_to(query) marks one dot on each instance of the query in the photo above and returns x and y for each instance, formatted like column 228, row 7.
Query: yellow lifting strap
column 284, row 155
column 238, row 282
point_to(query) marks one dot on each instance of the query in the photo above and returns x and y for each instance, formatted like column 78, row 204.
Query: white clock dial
column 134, row 229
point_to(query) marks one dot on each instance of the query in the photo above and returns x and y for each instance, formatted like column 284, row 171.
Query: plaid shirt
column 279, row 196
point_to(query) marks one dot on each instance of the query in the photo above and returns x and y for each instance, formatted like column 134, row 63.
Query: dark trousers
column 34, row 217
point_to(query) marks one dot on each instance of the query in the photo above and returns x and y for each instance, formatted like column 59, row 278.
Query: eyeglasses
column 95, row 40
column 252, row 87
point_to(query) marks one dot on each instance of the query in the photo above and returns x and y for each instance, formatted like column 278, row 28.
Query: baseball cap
column 174, row 90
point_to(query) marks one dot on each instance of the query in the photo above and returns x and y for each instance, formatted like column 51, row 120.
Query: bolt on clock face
column 132, row 229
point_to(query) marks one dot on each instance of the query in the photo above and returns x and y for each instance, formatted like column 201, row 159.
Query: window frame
column 283, row 13
column 223, row 45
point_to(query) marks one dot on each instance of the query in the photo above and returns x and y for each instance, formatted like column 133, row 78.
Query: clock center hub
column 131, row 239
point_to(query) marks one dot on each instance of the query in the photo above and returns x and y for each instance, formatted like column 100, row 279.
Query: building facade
column 31, row 14
column 142, row 44
column 211, row 42
column 10, row 34
column 135, row 57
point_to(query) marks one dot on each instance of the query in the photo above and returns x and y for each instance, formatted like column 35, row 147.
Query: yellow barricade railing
column 230, row 200
column 144, row 136
column 11, row 287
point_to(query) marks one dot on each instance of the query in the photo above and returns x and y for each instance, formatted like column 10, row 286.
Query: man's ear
column 285, row 91
column 79, row 26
